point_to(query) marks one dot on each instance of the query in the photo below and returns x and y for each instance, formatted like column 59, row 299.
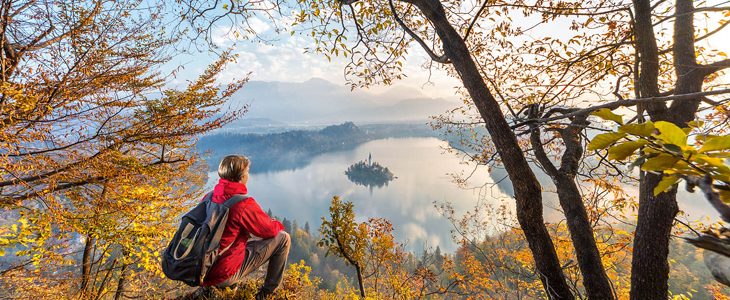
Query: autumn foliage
column 97, row 147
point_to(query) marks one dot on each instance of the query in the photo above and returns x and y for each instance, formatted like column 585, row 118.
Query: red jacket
column 244, row 218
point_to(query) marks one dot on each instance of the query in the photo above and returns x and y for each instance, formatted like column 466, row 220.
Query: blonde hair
column 232, row 166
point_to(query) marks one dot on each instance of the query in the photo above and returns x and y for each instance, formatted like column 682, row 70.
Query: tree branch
column 441, row 59
column 721, row 27
column 625, row 103
column 476, row 17
column 716, row 66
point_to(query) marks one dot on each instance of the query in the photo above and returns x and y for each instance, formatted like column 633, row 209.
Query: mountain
column 317, row 102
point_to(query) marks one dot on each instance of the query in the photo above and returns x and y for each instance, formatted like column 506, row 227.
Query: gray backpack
column 194, row 248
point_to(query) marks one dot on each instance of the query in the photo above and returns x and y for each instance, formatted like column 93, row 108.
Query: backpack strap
column 208, row 197
column 235, row 199
column 230, row 202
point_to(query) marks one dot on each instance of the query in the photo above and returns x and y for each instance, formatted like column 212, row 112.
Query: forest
column 619, row 103
column 292, row 149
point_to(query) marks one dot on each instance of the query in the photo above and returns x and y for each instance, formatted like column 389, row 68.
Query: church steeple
column 370, row 157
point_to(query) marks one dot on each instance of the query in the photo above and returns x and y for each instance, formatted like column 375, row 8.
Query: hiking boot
column 261, row 295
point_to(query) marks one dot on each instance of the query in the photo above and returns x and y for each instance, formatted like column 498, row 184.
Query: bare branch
column 625, row 103
column 476, row 17
column 441, row 59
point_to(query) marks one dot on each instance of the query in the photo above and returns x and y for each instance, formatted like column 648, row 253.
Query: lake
column 304, row 192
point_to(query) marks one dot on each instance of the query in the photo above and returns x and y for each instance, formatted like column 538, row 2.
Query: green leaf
column 642, row 160
column 716, row 143
column 673, row 148
column 604, row 140
column 622, row 151
column 660, row 163
column 670, row 133
column 607, row 114
column 644, row 129
column 637, row 162
column 663, row 185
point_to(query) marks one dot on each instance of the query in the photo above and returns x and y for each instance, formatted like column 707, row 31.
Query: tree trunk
column 105, row 280
column 119, row 294
column 528, row 192
column 86, row 266
column 595, row 279
column 359, row 280
column 649, row 267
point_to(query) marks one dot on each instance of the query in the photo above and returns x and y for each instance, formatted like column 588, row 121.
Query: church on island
column 369, row 173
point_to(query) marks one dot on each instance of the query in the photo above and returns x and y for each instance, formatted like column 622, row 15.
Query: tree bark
column 528, row 192
column 649, row 266
column 86, row 266
column 359, row 280
column 119, row 294
column 595, row 279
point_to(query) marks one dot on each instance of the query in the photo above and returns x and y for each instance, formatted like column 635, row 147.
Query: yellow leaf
column 622, row 151
column 724, row 196
column 644, row 129
column 716, row 143
column 696, row 124
column 604, row 140
column 670, row 133
column 663, row 185
column 660, row 163
column 607, row 114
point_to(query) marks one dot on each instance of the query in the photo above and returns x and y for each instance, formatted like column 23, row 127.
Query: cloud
column 258, row 26
column 285, row 60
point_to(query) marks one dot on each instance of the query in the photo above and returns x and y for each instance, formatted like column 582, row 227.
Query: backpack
column 194, row 247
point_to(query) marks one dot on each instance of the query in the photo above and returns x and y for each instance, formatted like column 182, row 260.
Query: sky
column 285, row 60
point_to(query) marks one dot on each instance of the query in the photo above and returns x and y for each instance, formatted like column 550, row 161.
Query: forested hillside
column 294, row 149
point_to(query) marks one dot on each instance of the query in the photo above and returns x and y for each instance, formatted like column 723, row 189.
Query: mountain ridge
column 318, row 101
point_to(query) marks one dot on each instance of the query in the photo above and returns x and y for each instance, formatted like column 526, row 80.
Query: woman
column 245, row 219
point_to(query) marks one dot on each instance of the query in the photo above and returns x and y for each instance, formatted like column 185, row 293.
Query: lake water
column 423, row 172
column 304, row 193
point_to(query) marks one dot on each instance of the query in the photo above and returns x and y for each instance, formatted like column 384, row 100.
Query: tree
column 380, row 263
column 287, row 225
column 98, row 149
column 345, row 238
column 377, row 53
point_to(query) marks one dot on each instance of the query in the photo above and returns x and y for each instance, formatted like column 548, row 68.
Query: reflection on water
column 304, row 192
column 369, row 173
column 423, row 172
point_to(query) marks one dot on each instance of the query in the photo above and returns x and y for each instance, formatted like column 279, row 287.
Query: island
column 368, row 173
